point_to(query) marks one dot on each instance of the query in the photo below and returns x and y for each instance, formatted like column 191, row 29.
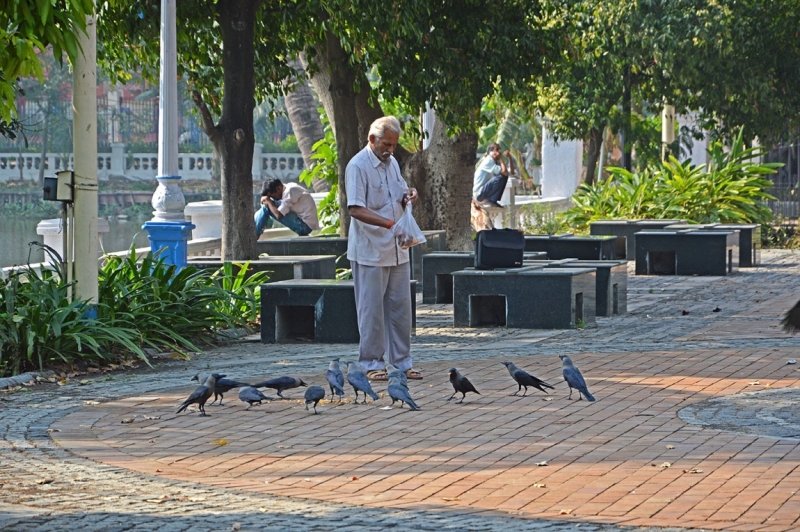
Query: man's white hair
column 384, row 123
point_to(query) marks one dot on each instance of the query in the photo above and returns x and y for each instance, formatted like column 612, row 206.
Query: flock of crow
column 217, row 385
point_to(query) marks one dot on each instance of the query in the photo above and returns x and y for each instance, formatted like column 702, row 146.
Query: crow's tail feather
column 791, row 321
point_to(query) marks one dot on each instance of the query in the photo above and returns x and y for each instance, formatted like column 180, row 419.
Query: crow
column 280, row 384
column 335, row 379
column 574, row 378
column 314, row 394
column 791, row 321
column 251, row 396
column 359, row 382
column 399, row 392
column 523, row 378
column 223, row 386
column 460, row 384
column 202, row 394
column 401, row 375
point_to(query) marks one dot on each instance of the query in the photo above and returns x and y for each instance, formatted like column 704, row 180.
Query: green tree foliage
column 27, row 28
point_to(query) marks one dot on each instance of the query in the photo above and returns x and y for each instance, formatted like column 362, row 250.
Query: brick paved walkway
column 643, row 455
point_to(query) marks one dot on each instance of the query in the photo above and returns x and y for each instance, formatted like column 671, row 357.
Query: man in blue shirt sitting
column 491, row 177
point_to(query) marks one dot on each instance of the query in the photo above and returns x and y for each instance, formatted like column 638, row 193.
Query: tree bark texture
column 344, row 94
column 302, row 109
column 592, row 155
column 236, row 138
column 443, row 175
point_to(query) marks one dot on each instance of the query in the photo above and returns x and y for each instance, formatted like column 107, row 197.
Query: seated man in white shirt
column 491, row 177
column 289, row 204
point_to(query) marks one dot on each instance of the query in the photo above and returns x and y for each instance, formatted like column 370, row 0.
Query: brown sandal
column 377, row 375
column 413, row 374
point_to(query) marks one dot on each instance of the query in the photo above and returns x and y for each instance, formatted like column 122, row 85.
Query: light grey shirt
column 378, row 187
column 486, row 170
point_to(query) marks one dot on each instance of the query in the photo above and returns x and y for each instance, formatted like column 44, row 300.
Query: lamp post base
column 170, row 240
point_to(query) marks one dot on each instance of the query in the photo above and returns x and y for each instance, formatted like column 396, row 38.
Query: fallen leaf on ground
column 84, row 382
column 547, row 399
column 236, row 526
column 262, row 509
column 128, row 420
column 791, row 361
column 665, row 465
column 754, row 383
column 151, row 441
column 53, row 430
column 565, row 512
column 62, row 382
column 693, row 470
column 537, row 485
column 152, row 417
column 355, row 478
column 158, row 471
column 450, row 499
column 45, row 481
column 196, row 499
column 767, row 385
column 541, row 464
column 670, row 446
column 307, row 479
column 220, row 442
column 90, row 403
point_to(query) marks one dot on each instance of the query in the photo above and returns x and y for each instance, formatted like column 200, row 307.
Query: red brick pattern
column 606, row 461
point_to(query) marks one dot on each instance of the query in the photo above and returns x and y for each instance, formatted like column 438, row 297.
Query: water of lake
column 15, row 233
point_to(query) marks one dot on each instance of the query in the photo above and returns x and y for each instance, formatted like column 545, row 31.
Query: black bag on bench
column 499, row 248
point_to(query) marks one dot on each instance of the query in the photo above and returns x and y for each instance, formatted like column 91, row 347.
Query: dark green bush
column 730, row 189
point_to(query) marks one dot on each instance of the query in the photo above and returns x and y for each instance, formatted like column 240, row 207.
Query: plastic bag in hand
column 407, row 231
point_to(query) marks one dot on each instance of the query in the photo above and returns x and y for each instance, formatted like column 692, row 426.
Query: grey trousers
column 383, row 304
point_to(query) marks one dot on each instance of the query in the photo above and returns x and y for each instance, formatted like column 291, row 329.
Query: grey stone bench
column 280, row 268
column 307, row 245
column 624, row 231
column 611, row 288
column 438, row 267
column 322, row 311
column 687, row 252
column 749, row 239
column 568, row 246
column 525, row 298
column 337, row 245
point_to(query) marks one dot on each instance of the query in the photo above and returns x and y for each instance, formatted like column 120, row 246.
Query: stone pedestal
column 169, row 240
column 206, row 217
column 52, row 233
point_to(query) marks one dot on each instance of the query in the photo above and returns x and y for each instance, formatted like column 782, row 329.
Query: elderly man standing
column 376, row 196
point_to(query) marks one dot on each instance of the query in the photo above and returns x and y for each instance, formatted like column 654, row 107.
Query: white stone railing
column 144, row 166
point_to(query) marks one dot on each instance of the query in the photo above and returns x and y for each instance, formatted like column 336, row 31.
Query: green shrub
column 40, row 324
column 171, row 308
column 730, row 189
column 242, row 289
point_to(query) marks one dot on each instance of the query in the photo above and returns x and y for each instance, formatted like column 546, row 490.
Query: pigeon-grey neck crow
column 335, row 379
column 314, row 394
column 525, row 379
column 281, row 383
column 252, row 396
column 201, row 394
column 359, row 382
column 461, row 385
column 574, row 378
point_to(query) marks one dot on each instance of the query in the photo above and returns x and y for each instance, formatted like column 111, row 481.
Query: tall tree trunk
column 350, row 111
column 302, row 109
column 233, row 137
column 442, row 174
column 592, row 155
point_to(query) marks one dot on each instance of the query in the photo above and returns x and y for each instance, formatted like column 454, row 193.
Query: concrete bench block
column 624, row 230
column 611, row 289
column 280, row 268
column 322, row 311
column 687, row 252
column 437, row 270
column 569, row 246
column 749, row 239
column 307, row 245
column 436, row 241
column 525, row 298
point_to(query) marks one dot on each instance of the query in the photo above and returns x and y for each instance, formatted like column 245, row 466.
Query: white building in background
column 144, row 166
